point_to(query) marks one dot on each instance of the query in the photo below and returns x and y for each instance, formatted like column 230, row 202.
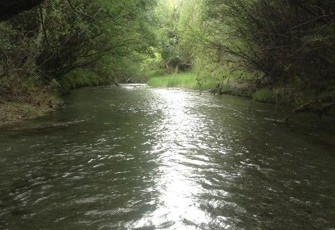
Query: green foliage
column 155, row 73
column 184, row 80
column 263, row 95
column 49, row 43
column 79, row 78
column 279, row 38
column 169, row 34
column 227, row 89
column 281, row 44
column 266, row 42
column 173, row 80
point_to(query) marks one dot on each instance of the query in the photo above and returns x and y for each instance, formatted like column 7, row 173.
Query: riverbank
column 285, row 94
column 185, row 80
column 19, row 109
column 24, row 100
column 231, row 87
column 298, row 100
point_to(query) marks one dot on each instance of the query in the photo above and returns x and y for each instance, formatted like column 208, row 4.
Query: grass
column 263, row 95
column 183, row 80
column 155, row 73
column 79, row 78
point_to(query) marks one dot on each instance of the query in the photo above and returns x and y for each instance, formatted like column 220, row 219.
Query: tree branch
column 79, row 12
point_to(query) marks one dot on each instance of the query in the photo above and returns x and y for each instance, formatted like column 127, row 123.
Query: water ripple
column 163, row 159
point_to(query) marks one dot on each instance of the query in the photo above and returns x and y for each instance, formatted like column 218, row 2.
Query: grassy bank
column 27, row 100
column 184, row 80
column 189, row 81
column 27, row 108
column 81, row 78
column 245, row 87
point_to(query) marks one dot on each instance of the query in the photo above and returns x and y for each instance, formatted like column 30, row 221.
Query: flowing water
column 141, row 158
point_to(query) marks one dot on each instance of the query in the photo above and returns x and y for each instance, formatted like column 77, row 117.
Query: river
column 140, row 158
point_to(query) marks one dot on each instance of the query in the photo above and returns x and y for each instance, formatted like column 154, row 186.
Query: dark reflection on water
column 141, row 158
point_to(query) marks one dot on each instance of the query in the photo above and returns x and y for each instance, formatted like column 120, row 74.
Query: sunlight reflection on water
column 177, row 204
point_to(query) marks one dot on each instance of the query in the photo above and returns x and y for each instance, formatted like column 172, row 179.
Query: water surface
column 142, row 158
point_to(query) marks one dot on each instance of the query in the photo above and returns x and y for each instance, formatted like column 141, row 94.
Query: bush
column 79, row 78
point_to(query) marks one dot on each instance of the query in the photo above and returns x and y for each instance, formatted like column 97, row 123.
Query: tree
column 169, row 35
column 286, row 40
column 44, row 44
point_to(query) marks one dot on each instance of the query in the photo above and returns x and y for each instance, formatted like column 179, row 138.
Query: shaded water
column 141, row 158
